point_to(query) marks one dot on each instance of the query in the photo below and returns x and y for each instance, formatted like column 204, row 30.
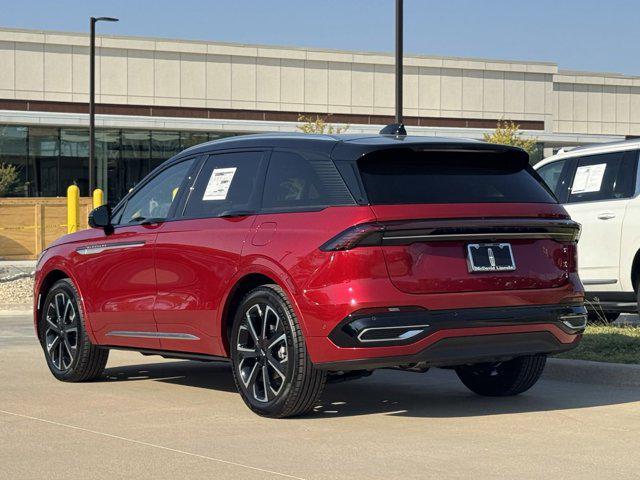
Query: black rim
column 263, row 353
column 61, row 331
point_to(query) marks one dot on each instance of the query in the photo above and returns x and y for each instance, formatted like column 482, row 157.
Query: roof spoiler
column 394, row 129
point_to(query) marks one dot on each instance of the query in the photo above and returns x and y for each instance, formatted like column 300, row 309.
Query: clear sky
column 593, row 35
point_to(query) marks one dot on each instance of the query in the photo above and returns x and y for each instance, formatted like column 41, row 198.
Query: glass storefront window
column 49, row 159
column 135, row 158
column 219, row 135
column 44, row 153
column 189, row 139
column 74, row 160
column 13, row 151
column 164, row 145
column 108, row 162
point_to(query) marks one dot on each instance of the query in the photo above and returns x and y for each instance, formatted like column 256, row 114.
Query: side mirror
column 101, row 218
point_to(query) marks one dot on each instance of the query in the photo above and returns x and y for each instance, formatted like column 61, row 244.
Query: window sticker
column 219, row 183
column 588, row 178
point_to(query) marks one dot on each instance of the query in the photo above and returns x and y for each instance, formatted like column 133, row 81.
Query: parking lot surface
column 156, row 418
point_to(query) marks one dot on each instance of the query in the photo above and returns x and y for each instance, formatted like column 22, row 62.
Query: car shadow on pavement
column 209, row 375
column 444, row 396
column 437, row 393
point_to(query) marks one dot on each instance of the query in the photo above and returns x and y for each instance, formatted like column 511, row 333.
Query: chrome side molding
column 157, row 335
column 103, row 247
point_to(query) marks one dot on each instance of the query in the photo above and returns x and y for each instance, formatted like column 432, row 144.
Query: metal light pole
column 399, row 15
column 92, row 94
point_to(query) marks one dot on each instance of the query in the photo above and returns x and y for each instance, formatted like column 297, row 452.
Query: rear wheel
column 505, row 378
column 271, row 366
column 70, row 355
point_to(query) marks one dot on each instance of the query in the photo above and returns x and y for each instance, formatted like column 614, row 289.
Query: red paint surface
column 181, row 279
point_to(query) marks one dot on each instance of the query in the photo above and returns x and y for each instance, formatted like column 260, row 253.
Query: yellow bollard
column 73, row 208
column 98, row 196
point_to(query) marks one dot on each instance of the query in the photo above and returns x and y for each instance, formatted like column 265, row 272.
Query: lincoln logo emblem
column 492, row 259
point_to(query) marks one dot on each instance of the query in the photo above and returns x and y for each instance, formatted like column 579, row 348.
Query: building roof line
column 274, row 47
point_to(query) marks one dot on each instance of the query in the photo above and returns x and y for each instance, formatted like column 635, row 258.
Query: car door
column 198, row 254
column 119, row 268
column 598, row 198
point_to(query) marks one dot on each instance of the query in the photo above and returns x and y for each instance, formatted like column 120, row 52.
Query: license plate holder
column 490, row 257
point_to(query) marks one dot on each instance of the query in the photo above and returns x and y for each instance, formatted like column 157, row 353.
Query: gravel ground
column 17, row 292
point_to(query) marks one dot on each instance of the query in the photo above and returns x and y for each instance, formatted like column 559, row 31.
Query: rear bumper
column 448, row 337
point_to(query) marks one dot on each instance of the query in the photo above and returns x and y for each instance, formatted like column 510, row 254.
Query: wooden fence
column 28, row 225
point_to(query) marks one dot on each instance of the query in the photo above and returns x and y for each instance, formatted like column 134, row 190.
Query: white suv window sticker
column 588, row 178
column 219, row 183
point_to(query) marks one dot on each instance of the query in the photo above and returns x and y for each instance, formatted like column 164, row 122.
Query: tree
column 8, row 178
column 508, row 133
column 319, row 125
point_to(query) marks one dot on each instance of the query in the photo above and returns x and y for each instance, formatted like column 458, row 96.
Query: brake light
column 365, row 234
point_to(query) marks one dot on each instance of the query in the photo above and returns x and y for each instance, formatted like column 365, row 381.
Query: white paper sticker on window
column 219, row 183
column 588, row 178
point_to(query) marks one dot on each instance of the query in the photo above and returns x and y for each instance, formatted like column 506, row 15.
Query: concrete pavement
column 154, row 418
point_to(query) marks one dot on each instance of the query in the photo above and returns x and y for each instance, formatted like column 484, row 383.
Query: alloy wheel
column 263, row 353
column 61, row 331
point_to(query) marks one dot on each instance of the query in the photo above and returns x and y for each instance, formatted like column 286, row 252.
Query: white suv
column 600, row 186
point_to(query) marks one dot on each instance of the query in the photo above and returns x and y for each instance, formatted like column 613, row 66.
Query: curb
column 599, row 373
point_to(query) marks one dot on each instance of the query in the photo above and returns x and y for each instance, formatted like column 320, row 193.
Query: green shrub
column 8, row 178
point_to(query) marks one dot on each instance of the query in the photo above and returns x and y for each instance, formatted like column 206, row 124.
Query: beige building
column 157, row 96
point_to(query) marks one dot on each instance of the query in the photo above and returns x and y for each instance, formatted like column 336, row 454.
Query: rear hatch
column 467, row 220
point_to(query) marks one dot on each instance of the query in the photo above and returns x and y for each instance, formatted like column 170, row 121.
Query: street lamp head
column 105, row 19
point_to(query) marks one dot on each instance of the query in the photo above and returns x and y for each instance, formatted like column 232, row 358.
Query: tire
column 70, row 355
column 503, row 379
column 271, row 366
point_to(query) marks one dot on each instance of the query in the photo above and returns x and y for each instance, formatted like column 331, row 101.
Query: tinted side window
column 227, row 182
column 609, row 176
column 551, row 174
column 154, row 200
column 299, row 181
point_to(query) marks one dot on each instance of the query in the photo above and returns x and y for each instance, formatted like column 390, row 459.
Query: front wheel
column 70, row 355
column 504, row 378
column 271, row 366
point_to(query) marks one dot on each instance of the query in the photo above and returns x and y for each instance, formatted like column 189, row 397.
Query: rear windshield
column 402, row 176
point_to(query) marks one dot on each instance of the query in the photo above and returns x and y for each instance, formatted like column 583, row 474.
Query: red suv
column 304, row 258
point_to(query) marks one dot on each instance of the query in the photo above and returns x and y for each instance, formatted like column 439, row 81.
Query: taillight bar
column 464, row 229
column 365, row 234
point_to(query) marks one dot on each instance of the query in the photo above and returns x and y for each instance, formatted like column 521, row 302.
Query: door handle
column 606, row 216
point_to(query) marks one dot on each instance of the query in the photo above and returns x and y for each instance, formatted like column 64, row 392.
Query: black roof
column 345, row 146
